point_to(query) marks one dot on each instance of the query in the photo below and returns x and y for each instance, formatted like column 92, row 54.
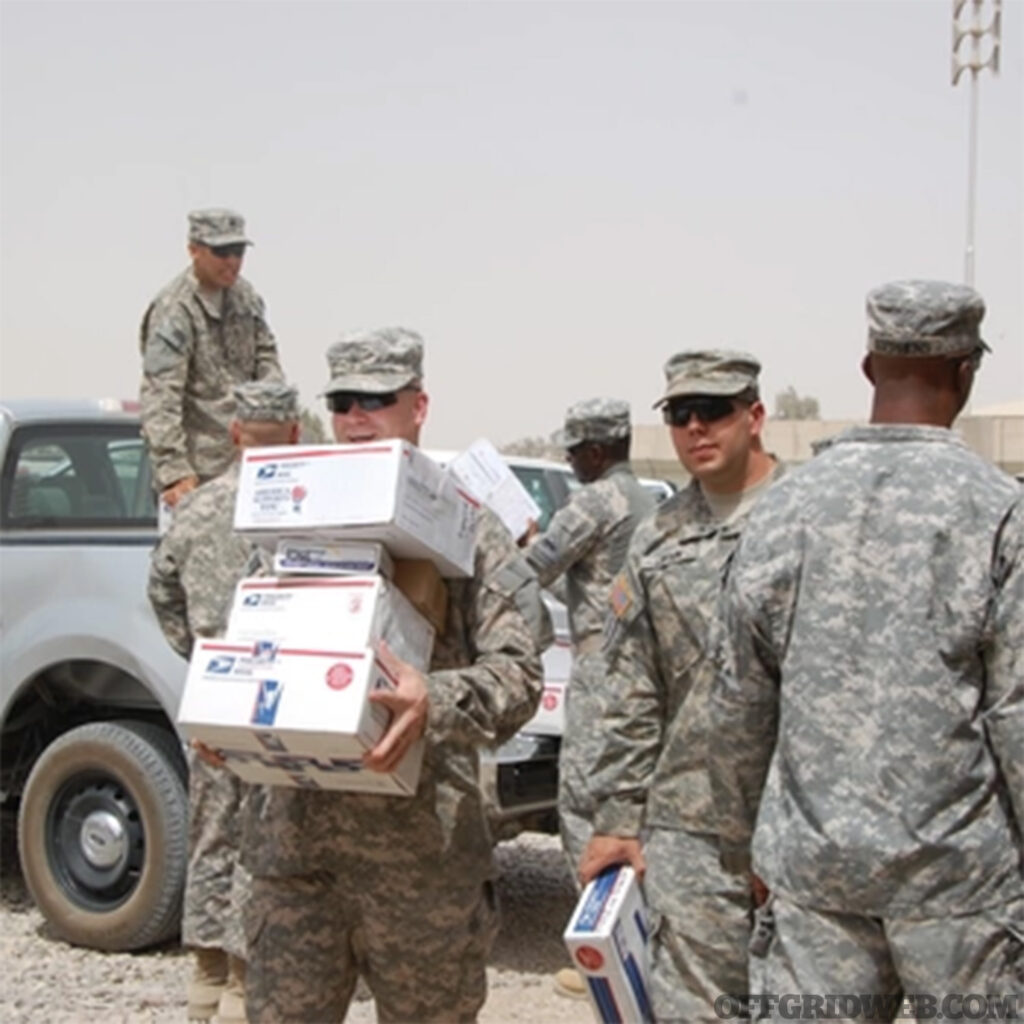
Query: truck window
column 82, row 474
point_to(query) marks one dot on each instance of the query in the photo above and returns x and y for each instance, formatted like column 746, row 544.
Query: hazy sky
column 558, row 196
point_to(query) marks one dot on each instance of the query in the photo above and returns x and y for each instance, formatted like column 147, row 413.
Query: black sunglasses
column 222, row 252
column 343, row 401
column 707, row 408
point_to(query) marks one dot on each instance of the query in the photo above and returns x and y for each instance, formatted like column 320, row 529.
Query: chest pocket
column 683, row 581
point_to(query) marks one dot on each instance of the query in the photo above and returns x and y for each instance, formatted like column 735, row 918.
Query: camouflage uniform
column 399, row 889
column 586, row 541
column 870, row 707
column 192, row 579
column 192, row 354
column 652, row 778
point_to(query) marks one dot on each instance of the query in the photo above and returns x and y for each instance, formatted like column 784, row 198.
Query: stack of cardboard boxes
column 362, row 537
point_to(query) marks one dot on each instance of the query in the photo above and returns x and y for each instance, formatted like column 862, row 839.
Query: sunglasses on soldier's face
column 707, row 409
column 343, row 401
column 222, row 252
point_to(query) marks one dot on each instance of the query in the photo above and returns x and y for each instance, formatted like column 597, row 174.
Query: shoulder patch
column 621, row 598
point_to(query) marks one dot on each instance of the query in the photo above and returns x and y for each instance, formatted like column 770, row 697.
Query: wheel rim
column 95, row 841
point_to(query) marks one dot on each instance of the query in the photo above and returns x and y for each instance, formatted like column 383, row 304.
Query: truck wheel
column 103, row 835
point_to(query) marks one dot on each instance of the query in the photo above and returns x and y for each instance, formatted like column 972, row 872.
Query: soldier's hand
column 177, row 491
column 208, row 754
column 408, row 703
column 604, row 851
column 532, row 529
column 758, row 890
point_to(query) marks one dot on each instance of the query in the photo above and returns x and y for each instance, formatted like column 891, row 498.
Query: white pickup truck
column 89, row 687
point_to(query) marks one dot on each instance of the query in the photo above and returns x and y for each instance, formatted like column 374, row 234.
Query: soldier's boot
column 209, row 978
column 231, row 1008
column 570, row 983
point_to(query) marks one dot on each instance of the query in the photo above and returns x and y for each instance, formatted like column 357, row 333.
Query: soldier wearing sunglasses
column 651, row 783
column 399, row 890
column 203, row 334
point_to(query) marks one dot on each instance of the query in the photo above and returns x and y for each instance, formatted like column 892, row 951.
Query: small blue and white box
column 607, row 938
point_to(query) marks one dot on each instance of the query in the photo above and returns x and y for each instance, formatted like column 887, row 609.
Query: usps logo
column 221, row 665
column 264, row 652
column 298, row 496
column 268, row 697
column 339, row 676
column 267, row 472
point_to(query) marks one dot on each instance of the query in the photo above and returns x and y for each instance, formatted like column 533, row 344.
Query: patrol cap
column 265, row 401
column 375, row 362
column 603, row 420
column 712, row 371
column 924, row 318
column 217, row 227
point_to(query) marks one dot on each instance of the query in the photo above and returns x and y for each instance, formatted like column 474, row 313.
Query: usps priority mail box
column 386, row 491
column 292, row 716
column 550, row 717
column 607, row 938
column 339, row 613
column 307, row 556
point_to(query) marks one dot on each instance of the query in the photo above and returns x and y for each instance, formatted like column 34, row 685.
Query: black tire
column 103, row 835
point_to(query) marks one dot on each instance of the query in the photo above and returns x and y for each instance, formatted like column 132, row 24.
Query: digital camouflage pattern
column 874, row 619
column 217, row 227
column 821, row 951
column 602, row 420
column 192, row 579
column 585, row 544
column 924, row 318
column 651, row 777
column 266, row 401
column 709, row 372
column 375, row 362
column 193, row 353
column 399, row 888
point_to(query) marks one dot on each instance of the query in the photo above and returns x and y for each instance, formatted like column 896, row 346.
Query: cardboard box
column 292, row 716
column 386, row 491
column 421, row 583
column 550, row 717
column 310, row 556
column 607, row 939
column 339, row 613
column 486, row 475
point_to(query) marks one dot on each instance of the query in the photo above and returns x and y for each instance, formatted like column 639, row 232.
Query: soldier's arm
column 1003, row 655
column 574, row 529
column 634, row 719
column 167, row 596
column 487, row 702
column 744, row 717
column 167, row 350
column 268, row 362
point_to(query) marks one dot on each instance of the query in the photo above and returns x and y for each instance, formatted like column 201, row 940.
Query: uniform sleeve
column 744, row 711
column 268, row 363
column 1003, row 655
column 573, row 531
column 167, row 344
column 167, row 595
column 633, row 695
column 487, row 702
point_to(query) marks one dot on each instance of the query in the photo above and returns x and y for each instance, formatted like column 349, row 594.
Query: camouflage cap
column 710, row 371
column 924, row 318
column 217, row 227
column 265, row 401
column 375, row 362
column 602, row 420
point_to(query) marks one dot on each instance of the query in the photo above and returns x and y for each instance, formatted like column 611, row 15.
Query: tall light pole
column 970, row 26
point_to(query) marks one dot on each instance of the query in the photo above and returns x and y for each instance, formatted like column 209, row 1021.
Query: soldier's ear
column 235, row 430
column 867, row 369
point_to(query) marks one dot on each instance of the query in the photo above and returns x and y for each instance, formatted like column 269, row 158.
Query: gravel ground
column 44, row 979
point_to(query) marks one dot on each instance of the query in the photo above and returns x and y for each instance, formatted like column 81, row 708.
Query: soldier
column 192, row 579
column 870, row 706
column 204, row 333
column 652, row 776
column 398, row 890
column 584, row 546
